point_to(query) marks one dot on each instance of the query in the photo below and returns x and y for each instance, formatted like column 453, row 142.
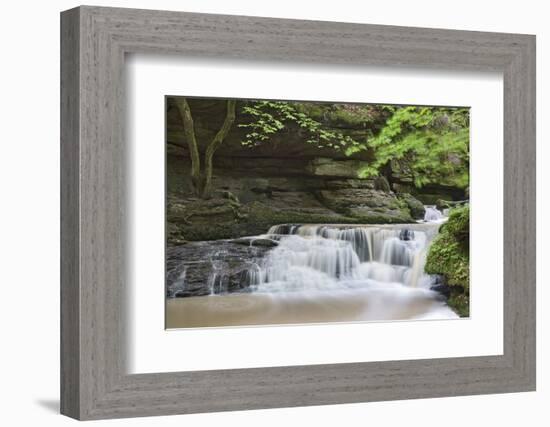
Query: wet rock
column 406, row 234
column 231, row 281
column 286, row 229
column 443, row 290
column 254, row 241
column 189, row 267
column 439, row 285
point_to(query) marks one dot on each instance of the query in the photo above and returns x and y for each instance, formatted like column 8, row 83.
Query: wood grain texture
column 95, row 383
column 70, row 292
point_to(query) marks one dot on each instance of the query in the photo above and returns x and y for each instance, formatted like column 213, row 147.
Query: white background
column 150, row 78
column 29, row 179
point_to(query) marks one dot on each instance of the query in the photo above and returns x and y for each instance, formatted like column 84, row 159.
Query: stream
column 306, row 273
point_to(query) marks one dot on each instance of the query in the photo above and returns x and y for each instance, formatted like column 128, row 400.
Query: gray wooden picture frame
column 94, row 382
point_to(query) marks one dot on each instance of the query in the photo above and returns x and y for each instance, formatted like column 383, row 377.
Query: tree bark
column 214, row 145
column 189, row 132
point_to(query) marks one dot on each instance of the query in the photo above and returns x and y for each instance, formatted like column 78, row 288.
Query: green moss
column 449, row 256
column 458, row 226
column 459, row 301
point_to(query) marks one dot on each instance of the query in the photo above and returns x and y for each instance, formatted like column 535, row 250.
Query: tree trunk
column 214, row 145
column 189, row 132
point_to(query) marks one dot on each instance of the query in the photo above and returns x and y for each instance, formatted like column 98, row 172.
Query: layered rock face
column 248, row 204
column 283, row 181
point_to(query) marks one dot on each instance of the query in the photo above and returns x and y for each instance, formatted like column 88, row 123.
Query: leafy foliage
column 426, row 144
column 270, row 117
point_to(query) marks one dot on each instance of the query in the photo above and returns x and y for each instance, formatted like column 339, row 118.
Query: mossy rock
column 449, row 256
column 415, row 206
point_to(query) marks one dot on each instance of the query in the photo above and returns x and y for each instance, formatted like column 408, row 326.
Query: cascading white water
column 323, row 273
column 359, row 238
column 301, row 263
column 432, row 214
column 341, row 257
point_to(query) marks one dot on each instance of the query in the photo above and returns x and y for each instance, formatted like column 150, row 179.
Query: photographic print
column 300, row 212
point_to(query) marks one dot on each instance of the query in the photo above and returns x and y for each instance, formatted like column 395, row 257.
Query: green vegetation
column 426, row 144
column 417, row 145
column 270, row 117
column 449, row 256
column 429, row 144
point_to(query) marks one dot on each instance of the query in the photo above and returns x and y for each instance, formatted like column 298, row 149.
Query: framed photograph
column 303, row 212
column 291, row 213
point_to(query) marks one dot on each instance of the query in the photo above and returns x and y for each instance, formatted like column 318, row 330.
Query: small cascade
column 252, row 276
column 328, row 257
column 244, row 276
column 359, row 238
column 432, row 213
column 283, row 229
column 333, row 258
column 397, row 252
column 339, row 257
column 215, row 283
column 179, row 284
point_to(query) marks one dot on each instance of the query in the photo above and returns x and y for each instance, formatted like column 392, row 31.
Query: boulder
column 415, row 206
column 406, row 235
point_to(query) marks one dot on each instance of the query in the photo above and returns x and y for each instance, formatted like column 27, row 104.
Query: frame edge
column 70, row 389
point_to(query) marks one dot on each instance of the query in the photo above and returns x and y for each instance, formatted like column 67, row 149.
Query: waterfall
column 313, row 262
column 283, row 229
column 359, row 238
column 432, row 214
column 315, row 273
column 329, row 257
